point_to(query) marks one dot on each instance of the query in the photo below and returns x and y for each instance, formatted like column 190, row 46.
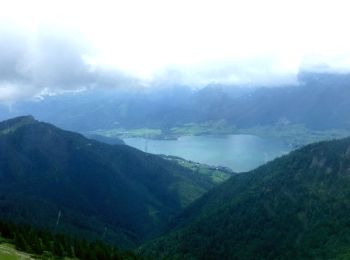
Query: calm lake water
column 239, row 152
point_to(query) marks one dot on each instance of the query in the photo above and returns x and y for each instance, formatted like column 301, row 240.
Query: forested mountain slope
column 96, row 187
column 295, row 207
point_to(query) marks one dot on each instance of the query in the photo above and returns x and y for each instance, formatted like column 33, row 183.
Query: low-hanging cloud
column 49, row 61
column 253, row 71
column 46, row 61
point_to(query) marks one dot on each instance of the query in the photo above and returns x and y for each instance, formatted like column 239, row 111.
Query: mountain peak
column 14, row 123
column 46, row 169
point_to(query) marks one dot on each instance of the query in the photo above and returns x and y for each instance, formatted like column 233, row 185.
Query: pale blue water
column 239, row 152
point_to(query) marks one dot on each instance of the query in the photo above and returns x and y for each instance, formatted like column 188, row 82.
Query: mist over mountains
column 320, row 101
column 182, row 129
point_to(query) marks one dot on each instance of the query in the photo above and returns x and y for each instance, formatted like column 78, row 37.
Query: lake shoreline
column 239, row 152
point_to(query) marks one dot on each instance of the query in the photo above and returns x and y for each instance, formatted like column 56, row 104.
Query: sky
column 57, row 46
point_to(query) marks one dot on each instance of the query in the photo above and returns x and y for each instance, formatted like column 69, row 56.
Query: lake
column 238, row 152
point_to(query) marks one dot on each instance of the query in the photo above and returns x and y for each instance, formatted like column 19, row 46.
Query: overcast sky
column 69, row 45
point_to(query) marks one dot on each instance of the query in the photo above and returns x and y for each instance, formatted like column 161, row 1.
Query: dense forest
column 174, row 130
column 48, row 245
column 295, row 207
column 45, row 170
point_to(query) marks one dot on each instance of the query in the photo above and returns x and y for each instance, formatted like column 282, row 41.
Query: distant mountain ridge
column 97, row 187
column 319, row 96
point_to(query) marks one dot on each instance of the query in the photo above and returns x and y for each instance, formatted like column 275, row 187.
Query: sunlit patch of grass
column 8, row 252
column 205, row 128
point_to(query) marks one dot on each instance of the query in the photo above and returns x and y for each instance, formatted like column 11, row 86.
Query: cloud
column 327, row 63
column 249, row 71
column 13, row 48
column 44, row 60
column 49, row 61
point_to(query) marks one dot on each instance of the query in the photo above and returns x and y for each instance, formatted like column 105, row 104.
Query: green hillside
column 8, row 252
column 295, row 207
column 22, row 242
column 98, row 188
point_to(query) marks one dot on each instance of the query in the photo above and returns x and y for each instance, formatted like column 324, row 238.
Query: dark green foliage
column 48, row 245
column 131, row 194
column 296, row 207
column 105, row 139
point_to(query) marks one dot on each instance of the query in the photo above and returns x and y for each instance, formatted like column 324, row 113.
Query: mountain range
column 316, row 97
column 294, row 207
column 62, row 181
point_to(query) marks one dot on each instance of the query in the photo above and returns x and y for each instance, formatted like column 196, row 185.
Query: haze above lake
column 238, row 152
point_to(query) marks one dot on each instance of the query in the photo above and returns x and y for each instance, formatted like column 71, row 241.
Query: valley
column 295, row 207
column 184, row 199
column 150, row 183
column 210, row 144
column 238, row 152
column 174, row 130
column 295, row 135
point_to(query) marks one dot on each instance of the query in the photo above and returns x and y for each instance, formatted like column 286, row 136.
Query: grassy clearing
column 206, row 128
column 8, row 252
column 208, row 176
column 217, row 174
